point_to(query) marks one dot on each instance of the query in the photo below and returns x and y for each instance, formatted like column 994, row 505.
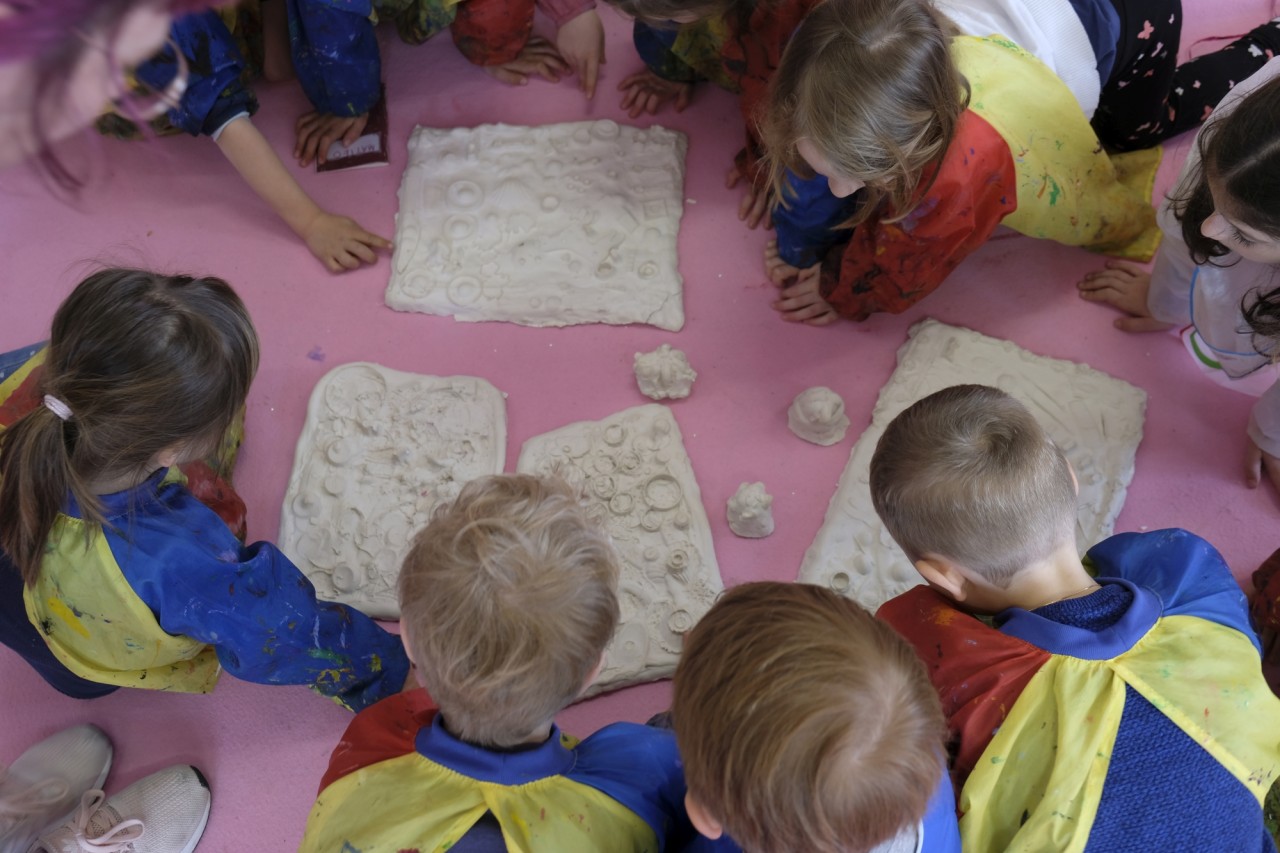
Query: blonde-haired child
column 508, row 599
column 1126, row 711
column 115, row 574
column 806, row 724
column 938, row 123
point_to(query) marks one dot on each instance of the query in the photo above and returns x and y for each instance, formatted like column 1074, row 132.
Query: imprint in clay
column 638, row 482
column 817, row 415
column 664, row 374
column 379, row 451
column 750, row 511
column 1095, row 418
column 540, row 226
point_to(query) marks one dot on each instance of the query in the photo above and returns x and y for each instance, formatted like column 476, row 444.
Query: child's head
column 868, row 95
column 1232, row 203
column 507, row 601
column 151, row 370
column 803, row 722
column 968, row 474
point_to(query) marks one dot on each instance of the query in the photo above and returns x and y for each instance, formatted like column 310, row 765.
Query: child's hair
column 1241, row 155
column 145, row 363
column 509, row 597
column 803, row 722
column 873, row 85
column 969, row 474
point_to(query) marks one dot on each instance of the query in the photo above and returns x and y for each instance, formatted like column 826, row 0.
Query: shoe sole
column 204, row 820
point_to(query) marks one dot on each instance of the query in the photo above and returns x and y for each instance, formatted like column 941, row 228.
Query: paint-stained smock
column 399, row 780
column 165, row 596
column 335, row 51
column 1135, row 717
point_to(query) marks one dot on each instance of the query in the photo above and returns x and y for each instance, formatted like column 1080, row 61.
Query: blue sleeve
column 1186, row 572
column 335, row 54
column 941, row 829
column 639, row 767
column 255, row 607
column 654, row 43
column 215, row 92
column 807, row 224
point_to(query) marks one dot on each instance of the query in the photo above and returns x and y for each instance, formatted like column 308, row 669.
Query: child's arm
column 261, row 616
column 338, row 241
column 335, row 56
column 580, row 41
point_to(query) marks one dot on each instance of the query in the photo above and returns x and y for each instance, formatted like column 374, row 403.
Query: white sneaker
column 44, row 784
column 164, row 813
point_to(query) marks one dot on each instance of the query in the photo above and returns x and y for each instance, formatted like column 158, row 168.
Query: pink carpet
column 175, row 204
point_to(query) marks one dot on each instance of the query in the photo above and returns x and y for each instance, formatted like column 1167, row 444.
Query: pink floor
column 176, row 205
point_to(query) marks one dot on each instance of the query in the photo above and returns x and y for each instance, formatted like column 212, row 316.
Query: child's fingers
column 360, row 248
column 347, row 260
column 731, row 180
column 1253, row 465
column 683, row 96
column 1126, row 267
column 825, row 319
column 632, row 80
column 590, row 73
column 1271, row 467
column 1098, row 280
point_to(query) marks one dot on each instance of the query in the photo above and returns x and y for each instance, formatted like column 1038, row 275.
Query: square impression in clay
column 379, row 451
column 543, row 226
column 636, row 476
column 1095, row 418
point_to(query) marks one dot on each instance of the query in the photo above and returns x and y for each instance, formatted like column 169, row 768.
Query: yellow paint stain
column 64, row 613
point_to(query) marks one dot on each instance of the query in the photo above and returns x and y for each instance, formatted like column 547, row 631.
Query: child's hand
column 317, row 131
column 1122, row 285
column 340, row 243
column 581, row 45
column 756, row 202
column 779, row 271
column 646, row 92
column 538, row 56
column 802, row 302
column 1259, row 462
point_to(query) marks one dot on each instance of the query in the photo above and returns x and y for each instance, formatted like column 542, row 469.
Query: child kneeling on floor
column 1123, row 712
column 508, row 598
column 806, row 724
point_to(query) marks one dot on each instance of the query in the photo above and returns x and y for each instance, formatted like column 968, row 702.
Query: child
column 936, row 139
column 335, row 52
column 507, row 600
column 1218, row 273
column 805, row 724
column 113, row 573
column 1123, row 713
column 199, row 78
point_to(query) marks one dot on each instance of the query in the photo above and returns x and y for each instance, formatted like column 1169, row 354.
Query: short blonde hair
column 873, row 85
column 969, row 474
column 509, row 596
column 804, row 723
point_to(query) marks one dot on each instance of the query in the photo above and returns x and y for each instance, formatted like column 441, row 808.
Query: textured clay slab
column 544, row 226
column 379, row 451
column 1095, row 418
column 637, row 478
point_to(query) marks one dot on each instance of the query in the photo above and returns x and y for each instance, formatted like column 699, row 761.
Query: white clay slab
column 380, row 449
column 543, row 226
column 636, row 476
column 1095, row 418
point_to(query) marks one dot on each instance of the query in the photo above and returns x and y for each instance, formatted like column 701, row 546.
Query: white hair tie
column 59, row 408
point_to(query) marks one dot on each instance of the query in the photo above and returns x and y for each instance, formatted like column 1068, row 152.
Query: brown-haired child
column 806, row 724
column 508, row 598
column 1123, row 712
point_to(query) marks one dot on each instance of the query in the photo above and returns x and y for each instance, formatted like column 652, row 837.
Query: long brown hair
column 145, row 362
column 872, row 83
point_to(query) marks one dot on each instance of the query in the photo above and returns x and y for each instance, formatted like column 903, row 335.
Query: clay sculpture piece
column 380, row 449
column 637, row 479
column 817, row 415
column 664, row 374
column 544, row 226
column 750, row 511
column 1095, row 418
